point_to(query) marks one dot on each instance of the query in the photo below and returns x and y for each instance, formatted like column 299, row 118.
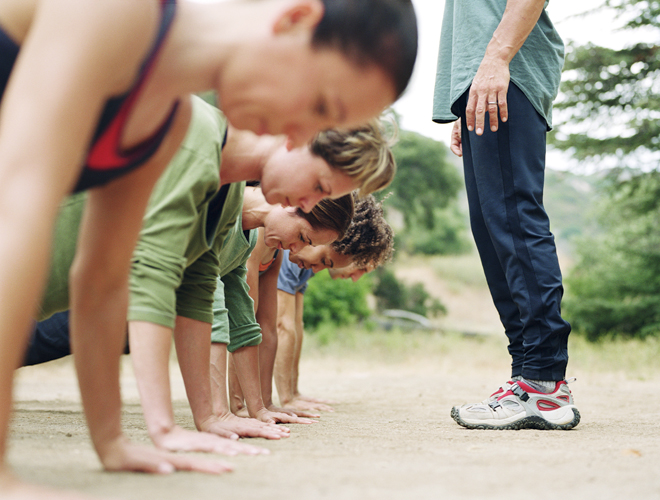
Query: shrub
column 336, row 302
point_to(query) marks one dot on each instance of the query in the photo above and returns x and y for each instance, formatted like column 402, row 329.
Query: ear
column 301, row 14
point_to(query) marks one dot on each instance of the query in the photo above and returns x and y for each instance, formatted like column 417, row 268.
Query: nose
column 308, row 202
column 318, row 267
column 295, row 247
column 357, row 275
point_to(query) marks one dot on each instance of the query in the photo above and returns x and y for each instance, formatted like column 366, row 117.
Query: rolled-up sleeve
column 220, row 329
column 195, row 295
column 243, row 327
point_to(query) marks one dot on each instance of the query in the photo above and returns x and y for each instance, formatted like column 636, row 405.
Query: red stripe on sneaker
column 564, row 398
column 545, row 405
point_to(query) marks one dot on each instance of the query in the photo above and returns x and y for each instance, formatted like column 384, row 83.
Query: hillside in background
column 570, row 201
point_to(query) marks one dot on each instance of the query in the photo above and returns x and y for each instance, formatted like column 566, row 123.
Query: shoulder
column 110, row 37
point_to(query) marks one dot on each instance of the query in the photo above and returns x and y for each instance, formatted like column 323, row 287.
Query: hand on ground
column 122, row 455
column 247, row 427
column 179, row 439
column 303, row 397
column 293, row 413
column 272, row 417
column 303, row 405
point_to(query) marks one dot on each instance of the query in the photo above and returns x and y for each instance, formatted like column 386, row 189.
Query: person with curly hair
column 367, row 244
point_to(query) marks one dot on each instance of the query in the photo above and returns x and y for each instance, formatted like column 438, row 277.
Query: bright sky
column 415, row 105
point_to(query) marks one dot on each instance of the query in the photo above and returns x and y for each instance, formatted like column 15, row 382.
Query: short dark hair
column 380, row 32
column 335, row 215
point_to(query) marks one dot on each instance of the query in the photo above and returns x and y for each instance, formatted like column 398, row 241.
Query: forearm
column 246, row 360
column 284, row 360
column 236, row 397
column 98, row 329
column 520, row 17
column 295, row 365
column 219, row 378
column 193, row 346
column 150, row 354
column 267, row 353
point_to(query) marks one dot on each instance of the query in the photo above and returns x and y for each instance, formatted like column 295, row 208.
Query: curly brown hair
column 369, row 239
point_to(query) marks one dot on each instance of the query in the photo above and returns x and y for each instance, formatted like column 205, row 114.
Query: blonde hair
column 363, row 153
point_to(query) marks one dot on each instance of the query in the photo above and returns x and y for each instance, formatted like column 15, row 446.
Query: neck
column 245, row 154
column 255, row 208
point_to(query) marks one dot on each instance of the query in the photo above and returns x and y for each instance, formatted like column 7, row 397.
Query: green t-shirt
column 175, row 263
column 467, row 28
column 234, row 321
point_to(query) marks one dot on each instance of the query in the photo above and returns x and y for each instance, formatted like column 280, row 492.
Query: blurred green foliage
column 391, row 293
column 610, row 100
column 614, row 289
column 335, row 302
column 609, row 107
column 425, row 192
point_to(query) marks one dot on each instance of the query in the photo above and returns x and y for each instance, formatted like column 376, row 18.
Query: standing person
column 98, row 88
column 503, row 59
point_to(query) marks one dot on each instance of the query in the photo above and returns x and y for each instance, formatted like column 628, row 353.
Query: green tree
column 609, row 110
column 391, row 293
column 425, row 191
column 615, row 288
column 609, row 105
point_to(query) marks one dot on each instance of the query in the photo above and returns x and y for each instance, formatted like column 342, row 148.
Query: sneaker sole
column 531, row 422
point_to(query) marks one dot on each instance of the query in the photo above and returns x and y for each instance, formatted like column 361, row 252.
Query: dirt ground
column 391, row 437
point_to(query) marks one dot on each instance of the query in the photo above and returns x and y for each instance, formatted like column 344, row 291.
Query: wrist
column 159, row 430
column 255, row 408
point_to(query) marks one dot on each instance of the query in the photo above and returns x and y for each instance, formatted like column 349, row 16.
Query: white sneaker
column 519, row 406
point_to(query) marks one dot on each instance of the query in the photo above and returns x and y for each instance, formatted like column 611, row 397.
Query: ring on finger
column 492, row 102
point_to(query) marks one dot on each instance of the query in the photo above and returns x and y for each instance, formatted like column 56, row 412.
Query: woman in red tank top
column 293, row 69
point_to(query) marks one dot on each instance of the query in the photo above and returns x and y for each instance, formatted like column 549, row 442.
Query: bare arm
column 286, row 344
column 247, row 369
column 490, row 84
column 236, row 397
column 247, row 427
column 193, row 345
column 300, row 401
column 150, row 353
column 49, row 108
column 267, row 319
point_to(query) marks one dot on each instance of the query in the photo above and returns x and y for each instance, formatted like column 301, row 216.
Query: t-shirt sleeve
column 195, row 295
column 159, row 259
column 220, row 328
column 243, row 327
column 287, row 280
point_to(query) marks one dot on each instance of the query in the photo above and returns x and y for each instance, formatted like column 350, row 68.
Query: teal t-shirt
column 467, row 28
